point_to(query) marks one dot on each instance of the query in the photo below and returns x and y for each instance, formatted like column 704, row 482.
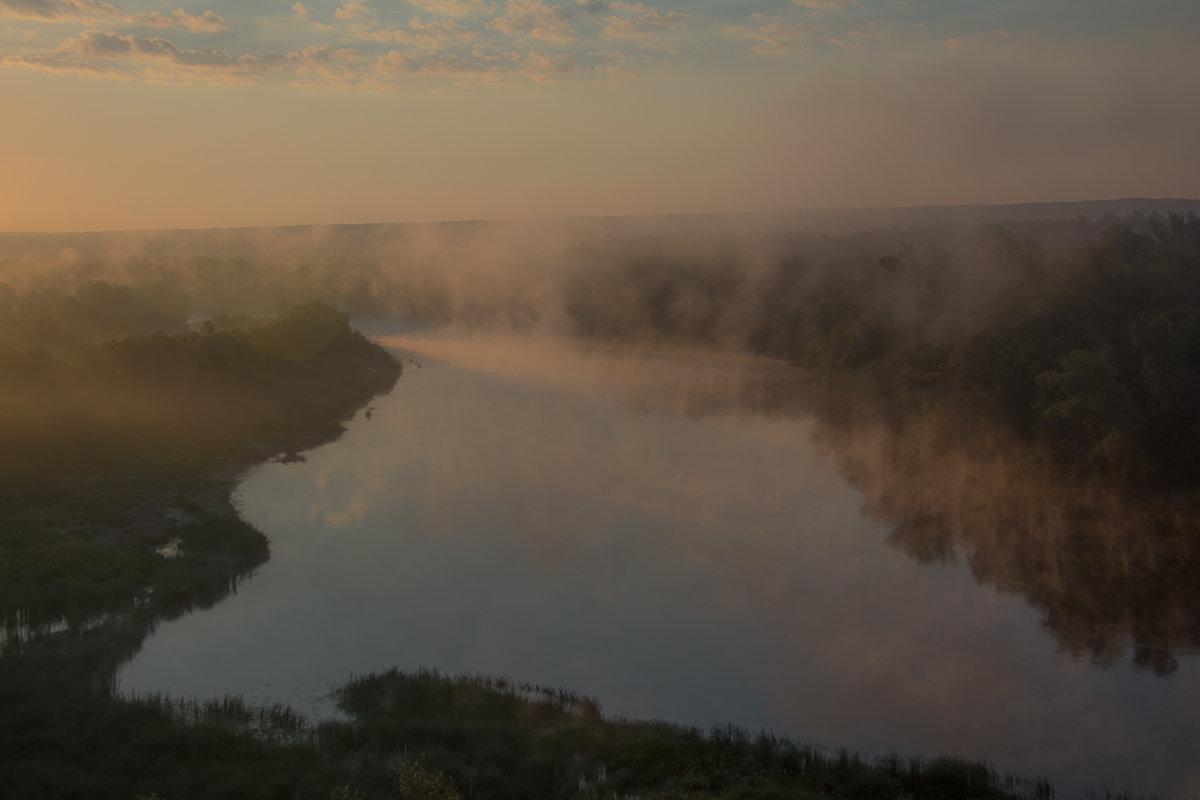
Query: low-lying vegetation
column 118, row 449
column 123, row 427
column 491, row 737
column 422, row 735
column 95, row 487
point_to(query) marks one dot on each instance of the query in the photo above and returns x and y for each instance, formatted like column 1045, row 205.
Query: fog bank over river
column 624, row 524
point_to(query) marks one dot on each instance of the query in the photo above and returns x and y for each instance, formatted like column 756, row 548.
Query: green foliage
column 1096, row 363
column 97, row 311
column 654, row 296
column 1091, row 356
column 109, row 458
column 832, row 332
column 1107, row 361
column 203, row 397
column 927, row 369
column 301, row 332
column 415, row 781
column 1085, row 415
column 1094, row 360
column 489, row 737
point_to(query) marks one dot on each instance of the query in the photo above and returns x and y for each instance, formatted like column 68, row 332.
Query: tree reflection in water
column 1112, row 576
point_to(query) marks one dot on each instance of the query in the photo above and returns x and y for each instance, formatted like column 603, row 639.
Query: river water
column 618, row 525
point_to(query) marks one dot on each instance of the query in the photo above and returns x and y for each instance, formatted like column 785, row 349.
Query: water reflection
column 1114, row 579
column 550, row 516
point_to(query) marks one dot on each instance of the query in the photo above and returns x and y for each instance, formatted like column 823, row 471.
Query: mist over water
column 911, row 479
column 928, row 488
column 623, row 523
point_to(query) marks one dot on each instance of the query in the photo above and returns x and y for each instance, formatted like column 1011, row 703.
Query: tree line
column 1090, row 354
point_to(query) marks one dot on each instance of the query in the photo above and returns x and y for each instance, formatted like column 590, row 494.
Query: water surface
column 614, row 524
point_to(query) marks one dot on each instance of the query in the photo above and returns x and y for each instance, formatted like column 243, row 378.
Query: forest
column 1026, row 397
column 942, row 362
column 1092, row 357
column 123, row 424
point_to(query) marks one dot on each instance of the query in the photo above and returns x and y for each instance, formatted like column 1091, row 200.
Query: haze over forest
column 1013, row 386
column 924, row 273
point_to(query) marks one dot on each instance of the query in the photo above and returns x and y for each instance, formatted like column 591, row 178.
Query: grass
column 81, row 588
column 64, row 733
column 491, row 737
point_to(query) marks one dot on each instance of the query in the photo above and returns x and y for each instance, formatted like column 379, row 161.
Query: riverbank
column 84, row 584
column 65, row 734
column 117, row 515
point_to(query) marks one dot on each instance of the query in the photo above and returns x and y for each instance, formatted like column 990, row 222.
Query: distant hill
column 225, row 241
column 847, row 220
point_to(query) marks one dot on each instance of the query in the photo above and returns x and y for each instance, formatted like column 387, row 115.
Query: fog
column 1010, row 388
column 614, row 519
column 687, row 281
column 509, row 274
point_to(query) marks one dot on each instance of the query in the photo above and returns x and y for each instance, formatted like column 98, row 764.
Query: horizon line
column 602, row 217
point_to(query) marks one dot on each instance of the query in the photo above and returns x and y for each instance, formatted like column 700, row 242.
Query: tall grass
column 503, row 739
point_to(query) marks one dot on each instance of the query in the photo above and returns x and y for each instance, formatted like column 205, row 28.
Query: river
column 617, row 524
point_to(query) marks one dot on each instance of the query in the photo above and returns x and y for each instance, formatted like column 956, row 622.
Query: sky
column 143, row 114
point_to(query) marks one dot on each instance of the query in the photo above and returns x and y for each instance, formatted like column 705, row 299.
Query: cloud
column 647, row 21
column 397, row 63
column 54, row 62
column 962, row 42
column 435, row 35
column 455, row 8
column 534, row 19
column 159, row 51
column 57, row 10
column 353, row 9
column 858, row 38
column 398, row 35
column 427, row 35
column 614, row 71
column 360, row 48
column 208, row 22
column 824, row 5
column 535, row 65
column 336, row 65
column 613, row 55
column 541, row 67
column 774, row 36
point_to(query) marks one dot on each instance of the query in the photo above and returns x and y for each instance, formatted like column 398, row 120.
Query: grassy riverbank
column 94, row 490
column 492, row 737
column 110, row 454
column 428, row 736
column 63, row 732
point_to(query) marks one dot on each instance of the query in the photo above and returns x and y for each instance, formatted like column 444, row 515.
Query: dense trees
column 91, row 444
column 1032, row 407
column 67, row 323
column 1090, row 354
column 108, row 448
column 190, row 395
column 1083, row 360
column 1100, row 368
